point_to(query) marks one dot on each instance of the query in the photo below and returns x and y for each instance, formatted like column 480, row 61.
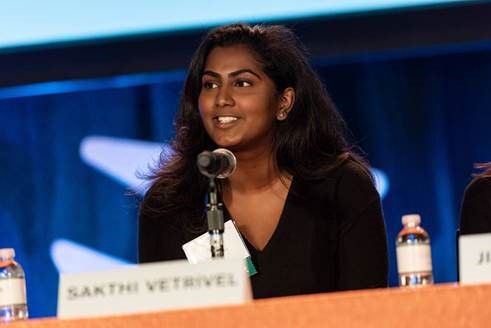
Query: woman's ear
column 286, row 101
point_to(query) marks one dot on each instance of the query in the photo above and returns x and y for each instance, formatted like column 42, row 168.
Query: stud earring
column 281, row 115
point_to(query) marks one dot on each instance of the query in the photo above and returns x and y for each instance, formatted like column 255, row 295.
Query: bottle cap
column 7, row 252
column 411, row 218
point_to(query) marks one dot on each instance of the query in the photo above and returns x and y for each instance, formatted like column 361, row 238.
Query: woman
column 475, row 215
column 304, row 203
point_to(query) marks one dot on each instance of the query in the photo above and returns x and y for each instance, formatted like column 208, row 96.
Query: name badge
column 153, row 287
column 198, row 249
column 475, row 258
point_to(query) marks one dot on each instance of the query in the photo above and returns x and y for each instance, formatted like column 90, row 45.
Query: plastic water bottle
column 413, row 253
column 13, row 305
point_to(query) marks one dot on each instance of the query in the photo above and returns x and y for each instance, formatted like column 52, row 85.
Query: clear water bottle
column 13, row 305
column 413, row 253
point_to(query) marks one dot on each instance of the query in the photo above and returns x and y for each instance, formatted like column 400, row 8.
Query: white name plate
column 475, row 258
column 153, row 287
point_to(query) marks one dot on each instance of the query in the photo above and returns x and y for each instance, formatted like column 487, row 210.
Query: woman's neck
column 256, row 170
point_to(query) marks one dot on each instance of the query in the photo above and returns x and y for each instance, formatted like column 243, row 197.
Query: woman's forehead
column 232, row 57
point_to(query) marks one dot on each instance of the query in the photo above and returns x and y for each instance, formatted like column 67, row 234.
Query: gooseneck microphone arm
column 220, row 163
column 214, row 215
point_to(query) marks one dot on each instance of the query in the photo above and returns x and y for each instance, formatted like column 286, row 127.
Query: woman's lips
column 225, row 120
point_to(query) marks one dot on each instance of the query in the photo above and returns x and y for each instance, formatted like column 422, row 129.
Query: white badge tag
column 198, row 249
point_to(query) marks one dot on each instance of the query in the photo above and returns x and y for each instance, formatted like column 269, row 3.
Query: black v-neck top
column 330, row 237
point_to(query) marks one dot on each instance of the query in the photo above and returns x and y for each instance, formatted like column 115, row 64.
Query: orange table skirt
column 448, row 305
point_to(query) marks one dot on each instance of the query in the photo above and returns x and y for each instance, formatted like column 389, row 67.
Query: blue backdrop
column 424, row 121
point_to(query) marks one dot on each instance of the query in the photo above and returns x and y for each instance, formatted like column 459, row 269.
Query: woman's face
column 238, row 102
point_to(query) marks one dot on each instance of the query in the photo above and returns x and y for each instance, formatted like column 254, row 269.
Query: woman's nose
column 224, row 97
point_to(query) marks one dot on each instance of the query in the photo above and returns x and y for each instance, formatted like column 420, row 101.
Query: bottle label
column 12, row 291
column 413, row 258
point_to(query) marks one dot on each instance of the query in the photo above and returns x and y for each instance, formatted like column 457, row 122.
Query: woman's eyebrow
column 244, row 70
column 233, row 74
column 214, row 74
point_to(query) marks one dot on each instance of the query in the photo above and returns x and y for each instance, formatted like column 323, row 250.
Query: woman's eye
column 242, row 83
column 209, row 85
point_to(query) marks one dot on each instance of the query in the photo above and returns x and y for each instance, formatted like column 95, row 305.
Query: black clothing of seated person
column 304, row 202
column 475, row 215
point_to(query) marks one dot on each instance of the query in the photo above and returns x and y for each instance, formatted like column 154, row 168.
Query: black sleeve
column 362, row 260
column 475, row 215
column 159, row 240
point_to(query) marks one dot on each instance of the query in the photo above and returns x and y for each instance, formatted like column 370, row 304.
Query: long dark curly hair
column 308, row 143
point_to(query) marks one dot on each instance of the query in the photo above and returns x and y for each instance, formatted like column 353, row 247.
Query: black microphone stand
column 214, row 214
column 220, row 164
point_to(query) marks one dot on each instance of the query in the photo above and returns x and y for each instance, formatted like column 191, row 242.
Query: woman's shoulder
column 349, row 177
column 347, row 189
column 158, row 221
column 477, row 194
column 348, row 173
column 480, row 186
column 355, row 185
column 352, row 171
column 349, row 185
column 475, row 215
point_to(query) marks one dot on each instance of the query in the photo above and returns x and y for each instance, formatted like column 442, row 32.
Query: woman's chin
column 229, row 144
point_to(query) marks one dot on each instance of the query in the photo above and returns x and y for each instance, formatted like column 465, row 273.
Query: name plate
column 475, row 258
column 153, row 287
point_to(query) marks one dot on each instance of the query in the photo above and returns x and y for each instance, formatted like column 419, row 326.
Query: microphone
column 219, row 163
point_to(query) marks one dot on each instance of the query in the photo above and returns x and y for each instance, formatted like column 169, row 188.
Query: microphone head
column 220, row 163
column 232, row 162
